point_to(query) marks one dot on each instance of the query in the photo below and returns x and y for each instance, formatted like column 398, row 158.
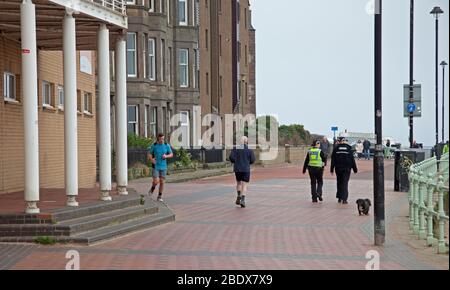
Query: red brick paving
column 280, row 229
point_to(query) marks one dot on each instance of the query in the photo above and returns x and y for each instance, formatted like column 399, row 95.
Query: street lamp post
column 436, row 12
column 378, row 164
column 411, row 74
column 443, row 64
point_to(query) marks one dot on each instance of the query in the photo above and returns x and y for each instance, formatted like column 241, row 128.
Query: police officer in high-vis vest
column 315, row 162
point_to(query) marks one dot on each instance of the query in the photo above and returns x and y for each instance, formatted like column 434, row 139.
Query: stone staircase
column 86, row 224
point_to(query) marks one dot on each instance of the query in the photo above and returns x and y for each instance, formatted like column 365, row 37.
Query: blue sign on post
column 412, row 108
column 334, row 129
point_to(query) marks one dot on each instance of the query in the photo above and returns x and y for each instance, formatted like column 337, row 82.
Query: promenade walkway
column 280, row 229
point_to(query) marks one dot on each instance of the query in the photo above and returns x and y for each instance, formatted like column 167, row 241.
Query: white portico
column 71, row 26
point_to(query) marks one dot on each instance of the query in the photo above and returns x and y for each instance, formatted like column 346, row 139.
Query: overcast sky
column 315, row 64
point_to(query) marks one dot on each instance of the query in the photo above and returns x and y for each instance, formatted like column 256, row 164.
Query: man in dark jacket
column 366, row 145
column 325, row 146
column 315, row 162
column 242, row 157
column 343, row 161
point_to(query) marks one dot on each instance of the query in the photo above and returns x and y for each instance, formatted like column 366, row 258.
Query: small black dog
column 363, row 206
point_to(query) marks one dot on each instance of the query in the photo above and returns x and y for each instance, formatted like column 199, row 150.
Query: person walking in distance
column 343, row 161
column 158, row 153
column 315, row 162
column 359, row 148
column 242, row 157
column 325, row 146
column 366, row 145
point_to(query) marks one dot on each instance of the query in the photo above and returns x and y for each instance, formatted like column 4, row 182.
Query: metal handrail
column 119, row 6
column 426, row 200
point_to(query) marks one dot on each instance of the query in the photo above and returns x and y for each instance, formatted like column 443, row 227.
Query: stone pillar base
column 72, row 201
column 105, row 196
column 32, row 207
column 122, row 190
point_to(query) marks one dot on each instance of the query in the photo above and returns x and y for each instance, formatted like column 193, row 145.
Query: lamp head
column 437, row 11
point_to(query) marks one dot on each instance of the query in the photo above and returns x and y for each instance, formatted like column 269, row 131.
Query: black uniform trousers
column 343, row 177
column 316, row 175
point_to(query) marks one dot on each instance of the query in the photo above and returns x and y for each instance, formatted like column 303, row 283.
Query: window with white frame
column 153, row 118
column 144, row 54
column 168, row 11
column 151, row 5
column 86, row 62
column 163, row 59
column 182, row 12
column 152, row 59
column 185, row 127
column 46, row 94
column 60, row 97
column 9, row 86
column 133, row 123
column 147, row 107
column 169, row 65
column 87, row 105
column 131, row 2
column 194, row 18
column 183, row 65
column 164, row 120
column 169, row 112
column 194, row 68
column 131, row 54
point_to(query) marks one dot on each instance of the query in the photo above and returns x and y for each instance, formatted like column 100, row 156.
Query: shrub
column 183, row 157
column 45, row 240
column 135, row 141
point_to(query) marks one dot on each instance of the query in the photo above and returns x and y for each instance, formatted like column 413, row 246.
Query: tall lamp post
column 436, row 12
column 443, row 64
column 378, row 163
column 411, row 73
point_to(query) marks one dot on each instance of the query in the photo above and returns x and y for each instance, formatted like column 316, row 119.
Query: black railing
column 138, row 155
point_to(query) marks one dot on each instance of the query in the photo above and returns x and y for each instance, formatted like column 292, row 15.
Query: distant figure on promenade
column 366, row 145
column 158, row 153
column 343, row 161
column 242, row 157
column 359, row 148
column 388, row 143
column 325, row 146
column 315, row 162
column 415, row 145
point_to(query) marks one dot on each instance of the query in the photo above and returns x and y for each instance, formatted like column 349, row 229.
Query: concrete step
column 118, row 202
column 163, row 216
column 88, row 223
column 79, row 225
column 67, row 213
column 110, row 232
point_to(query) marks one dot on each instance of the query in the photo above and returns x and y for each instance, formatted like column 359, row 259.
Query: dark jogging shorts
column 242, row 176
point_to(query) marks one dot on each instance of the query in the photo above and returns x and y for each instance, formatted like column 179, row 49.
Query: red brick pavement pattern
column 280, row 229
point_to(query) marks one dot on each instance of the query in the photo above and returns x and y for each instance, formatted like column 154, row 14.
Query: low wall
column 286, row 154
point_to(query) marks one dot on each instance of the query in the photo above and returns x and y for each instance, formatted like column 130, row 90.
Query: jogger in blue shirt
column 158, row 153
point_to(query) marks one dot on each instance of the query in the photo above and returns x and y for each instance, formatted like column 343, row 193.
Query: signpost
column 334, row 129
column 412, row 106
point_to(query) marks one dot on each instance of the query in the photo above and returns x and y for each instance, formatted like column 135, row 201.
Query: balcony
column 112, row 11
column 89, row 14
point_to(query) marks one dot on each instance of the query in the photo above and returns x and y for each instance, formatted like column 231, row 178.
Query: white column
column 30, row 104
column 104, row 112
column 70, row 110
column 121, row 116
